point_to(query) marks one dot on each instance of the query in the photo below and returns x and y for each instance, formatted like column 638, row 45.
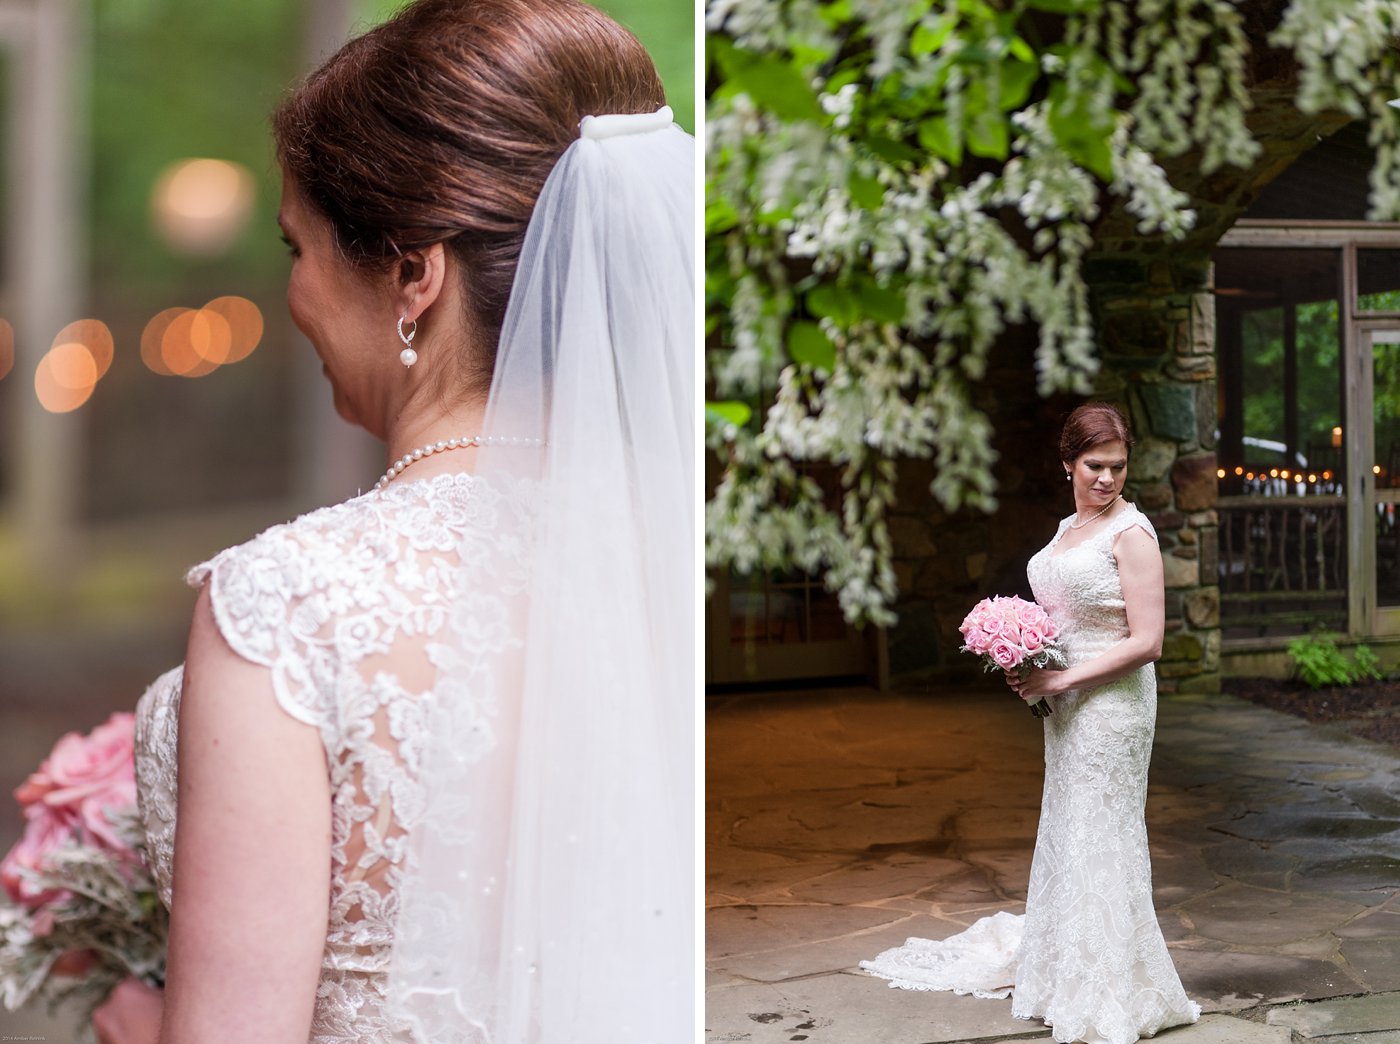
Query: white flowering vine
column 864, row 158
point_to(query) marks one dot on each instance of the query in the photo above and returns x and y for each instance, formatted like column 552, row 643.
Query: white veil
column 549, row 895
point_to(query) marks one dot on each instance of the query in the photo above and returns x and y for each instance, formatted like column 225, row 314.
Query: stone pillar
column 1157, row 331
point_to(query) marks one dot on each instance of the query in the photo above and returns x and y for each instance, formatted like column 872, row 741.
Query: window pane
column 1282, row 539
column 1377, row 280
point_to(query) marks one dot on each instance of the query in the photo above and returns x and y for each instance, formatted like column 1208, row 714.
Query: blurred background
column 156, row 403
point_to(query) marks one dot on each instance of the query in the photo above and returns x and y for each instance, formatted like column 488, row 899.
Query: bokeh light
column 245, row 323
column 95, row 336
column 7, row 348
column 190, row 342
column 65, row 377
column 153, row 336
column 202, row 206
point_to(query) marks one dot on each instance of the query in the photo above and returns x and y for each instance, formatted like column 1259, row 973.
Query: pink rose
column 1005, row 655
column 42, row 835
column 1032, row 639
column 975, row 619
column 83, row 778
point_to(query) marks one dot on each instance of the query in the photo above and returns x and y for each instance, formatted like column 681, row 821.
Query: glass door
column 1377, row 493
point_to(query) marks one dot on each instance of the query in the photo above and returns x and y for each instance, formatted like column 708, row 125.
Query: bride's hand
column 131, row 1015
column 1037, row 684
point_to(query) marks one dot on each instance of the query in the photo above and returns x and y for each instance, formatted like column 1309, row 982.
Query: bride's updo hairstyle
column 1091, row 425
column 441, row 126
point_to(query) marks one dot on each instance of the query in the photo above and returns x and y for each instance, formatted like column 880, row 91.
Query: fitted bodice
column 348, row 608
column 1080, row 586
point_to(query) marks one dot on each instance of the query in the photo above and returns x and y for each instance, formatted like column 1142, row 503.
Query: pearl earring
column 408, row 356
column 1068, row 476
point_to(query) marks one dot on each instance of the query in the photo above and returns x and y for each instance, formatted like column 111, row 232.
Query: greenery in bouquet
column 80, row 910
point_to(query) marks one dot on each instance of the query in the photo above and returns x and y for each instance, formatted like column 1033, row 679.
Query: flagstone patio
column 841, row 822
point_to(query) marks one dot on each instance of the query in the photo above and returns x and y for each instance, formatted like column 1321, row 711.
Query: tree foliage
column 893, row 182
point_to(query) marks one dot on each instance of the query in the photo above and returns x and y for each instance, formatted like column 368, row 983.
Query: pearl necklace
column 1092, row 517
column 444, row 445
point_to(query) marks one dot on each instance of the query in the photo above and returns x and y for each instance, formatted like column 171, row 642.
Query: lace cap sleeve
column 1130, row 518
column 258, row 592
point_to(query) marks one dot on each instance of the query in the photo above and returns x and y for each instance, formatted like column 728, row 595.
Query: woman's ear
column 419, row 280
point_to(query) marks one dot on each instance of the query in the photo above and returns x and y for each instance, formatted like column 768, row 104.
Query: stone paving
column 841, row 822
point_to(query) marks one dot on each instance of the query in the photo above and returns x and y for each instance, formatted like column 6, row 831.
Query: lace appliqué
column 347, row 606
column 1090, row 959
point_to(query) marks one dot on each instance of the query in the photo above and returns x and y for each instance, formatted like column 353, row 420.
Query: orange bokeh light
column 65, row 377
column 245, row 323
column 153, row 336
column 193, row 343
column 7, row 348
column 190, row 342
column 95, row 336
column 209, row 335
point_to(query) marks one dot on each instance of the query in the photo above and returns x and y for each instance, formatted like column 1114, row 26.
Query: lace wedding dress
column 1088, row 956
column 344, row 605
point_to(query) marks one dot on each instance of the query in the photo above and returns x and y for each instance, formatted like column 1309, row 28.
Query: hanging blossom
column 862, row 160
column 1347, row 61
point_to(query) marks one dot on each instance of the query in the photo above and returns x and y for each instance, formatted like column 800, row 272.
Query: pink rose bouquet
column 79, row 911
column 1012, row 634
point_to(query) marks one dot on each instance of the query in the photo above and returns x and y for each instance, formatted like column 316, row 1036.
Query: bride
column 1088, row 956
column 431, row 749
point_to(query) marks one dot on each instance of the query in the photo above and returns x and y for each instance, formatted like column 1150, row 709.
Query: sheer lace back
column 349, row 609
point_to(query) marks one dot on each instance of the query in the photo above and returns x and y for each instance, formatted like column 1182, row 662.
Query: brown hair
column 441, row 126
column 1091, row 425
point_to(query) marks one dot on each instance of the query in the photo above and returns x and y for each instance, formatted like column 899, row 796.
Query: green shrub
column 1367, row 664
column 1319, row 662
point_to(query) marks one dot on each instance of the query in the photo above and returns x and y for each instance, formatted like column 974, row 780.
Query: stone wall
column 1157, row 328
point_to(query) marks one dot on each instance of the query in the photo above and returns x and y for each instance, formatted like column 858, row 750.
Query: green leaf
column 806, row 343
column 927, row 39
column 977, row 54
column 1023, row 51
column 988, row 136
column 1017, row 78
column 1095, row 155
column 1063, row 6
column 866, row 193
column 1082, row 132
column 833, row 302
column 890, row 150
column 837, row 13
column 941, row 138
column 773, row 84
column 720, row 216
column 719, row 414
column 880, row 303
